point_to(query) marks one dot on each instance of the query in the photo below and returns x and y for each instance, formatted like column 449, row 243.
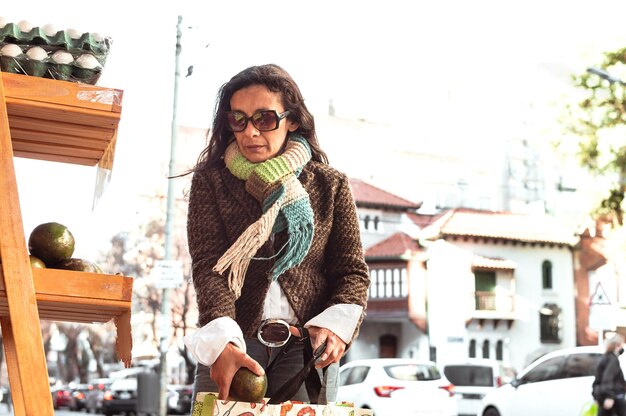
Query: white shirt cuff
column 341, row 319
column 208, row 342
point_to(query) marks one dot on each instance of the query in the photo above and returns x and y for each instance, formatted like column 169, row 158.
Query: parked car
column 121, row 396
column 397, row 386
column 96, row 394
column 61, row 396
column 558, row 383
column 78, row 398
column 179, row 399
column 473, row 378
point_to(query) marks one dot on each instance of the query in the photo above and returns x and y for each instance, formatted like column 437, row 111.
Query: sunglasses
column 273, row 332
column 265, row 120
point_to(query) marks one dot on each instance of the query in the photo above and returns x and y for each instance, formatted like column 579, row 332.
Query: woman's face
column 258, row 146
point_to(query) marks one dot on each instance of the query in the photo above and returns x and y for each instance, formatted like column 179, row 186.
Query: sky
column 449, row 76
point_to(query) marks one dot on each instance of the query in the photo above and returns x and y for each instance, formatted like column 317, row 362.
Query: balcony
column 492, row 305
column 388, row 293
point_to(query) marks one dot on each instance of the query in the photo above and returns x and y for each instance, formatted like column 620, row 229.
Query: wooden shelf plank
column 56, row 158
column 62, row 121
column 72, row 131
column 64, row 93
column 92, row 290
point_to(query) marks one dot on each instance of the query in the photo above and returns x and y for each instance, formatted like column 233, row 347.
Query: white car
column 473, row 378
column 397, row 386
column 558, row 383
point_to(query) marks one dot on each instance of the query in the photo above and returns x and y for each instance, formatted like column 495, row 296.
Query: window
column 353, row 375
column 486, row 348
column 472, row 348
column 371, row 221
column 547, row 370
column 366, row 222
column 469, row 375
column 550, row 323
column 485, row 282
column 388, row 283
column 546, row 274
column 580, row 365
column 499, row 350
column 413, row 372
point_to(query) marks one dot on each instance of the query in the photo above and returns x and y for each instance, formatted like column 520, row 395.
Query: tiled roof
column 499, row 225
column 421, row 220
column 367, row 195
column 481, row 262
column 398, row 245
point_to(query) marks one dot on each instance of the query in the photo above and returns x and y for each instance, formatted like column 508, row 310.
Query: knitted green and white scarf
column 286, row 206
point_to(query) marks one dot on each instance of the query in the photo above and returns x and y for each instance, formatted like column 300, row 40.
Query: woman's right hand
column 227, row 364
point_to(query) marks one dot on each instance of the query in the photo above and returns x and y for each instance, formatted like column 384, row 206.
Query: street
column 61, row 412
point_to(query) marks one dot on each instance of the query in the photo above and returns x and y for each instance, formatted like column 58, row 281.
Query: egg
column 25, row 26
column 11, row 50
column 97, row 37
column 62, row 57
column 87, row 61
column 50, row 29
column 37, row 53
column 74, row 33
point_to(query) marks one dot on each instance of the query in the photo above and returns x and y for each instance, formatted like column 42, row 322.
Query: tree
column 134, row 254
column 599, row 121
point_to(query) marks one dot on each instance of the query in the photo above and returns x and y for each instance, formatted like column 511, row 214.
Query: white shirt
column 208, row 342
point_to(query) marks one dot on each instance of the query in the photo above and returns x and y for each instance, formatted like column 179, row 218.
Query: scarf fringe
column 296, row 249
column 239, row 255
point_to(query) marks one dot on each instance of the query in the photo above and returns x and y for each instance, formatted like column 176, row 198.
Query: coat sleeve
column 207, row 242
column 610, row 384
column 346, row 269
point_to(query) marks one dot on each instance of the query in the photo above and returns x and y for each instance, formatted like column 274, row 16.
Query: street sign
column 603, row 317
column 599, row 296
column 168, row 274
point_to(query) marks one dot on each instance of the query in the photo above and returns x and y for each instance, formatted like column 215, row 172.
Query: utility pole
column 165, row 304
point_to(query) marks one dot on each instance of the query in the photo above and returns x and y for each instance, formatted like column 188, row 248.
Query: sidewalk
column 4, row 410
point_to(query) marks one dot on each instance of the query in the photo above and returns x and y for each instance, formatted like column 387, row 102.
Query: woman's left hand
column 335, row 347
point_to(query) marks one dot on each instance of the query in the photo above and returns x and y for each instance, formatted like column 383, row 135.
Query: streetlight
column 165, row 304
column 605, row 75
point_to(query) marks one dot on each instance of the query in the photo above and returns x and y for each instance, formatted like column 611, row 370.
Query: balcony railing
column 388, row 283
column 492, row 301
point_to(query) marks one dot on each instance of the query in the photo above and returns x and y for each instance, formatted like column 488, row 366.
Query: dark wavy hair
column 277, row 80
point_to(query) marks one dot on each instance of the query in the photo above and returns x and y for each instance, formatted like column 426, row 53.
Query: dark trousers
column 619, row 409
column 287, row 363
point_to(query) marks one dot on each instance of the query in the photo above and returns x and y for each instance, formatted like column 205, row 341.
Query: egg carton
column 50, row 53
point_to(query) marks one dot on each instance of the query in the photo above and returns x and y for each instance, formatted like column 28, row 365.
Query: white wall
column 411, row 341
column 390, row 222
column 451, row 283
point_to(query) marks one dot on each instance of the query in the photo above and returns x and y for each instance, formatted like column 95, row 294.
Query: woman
column 273, row 234
column 609, row 385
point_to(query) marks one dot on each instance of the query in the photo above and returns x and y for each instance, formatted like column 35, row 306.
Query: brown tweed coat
column 333, row 272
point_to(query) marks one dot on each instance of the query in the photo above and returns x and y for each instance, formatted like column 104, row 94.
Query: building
column 465, row 282
column 509, row 278
column 395, row 323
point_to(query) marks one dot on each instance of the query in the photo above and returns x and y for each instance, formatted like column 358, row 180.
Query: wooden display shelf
column 62, row 121
column 66, row 295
